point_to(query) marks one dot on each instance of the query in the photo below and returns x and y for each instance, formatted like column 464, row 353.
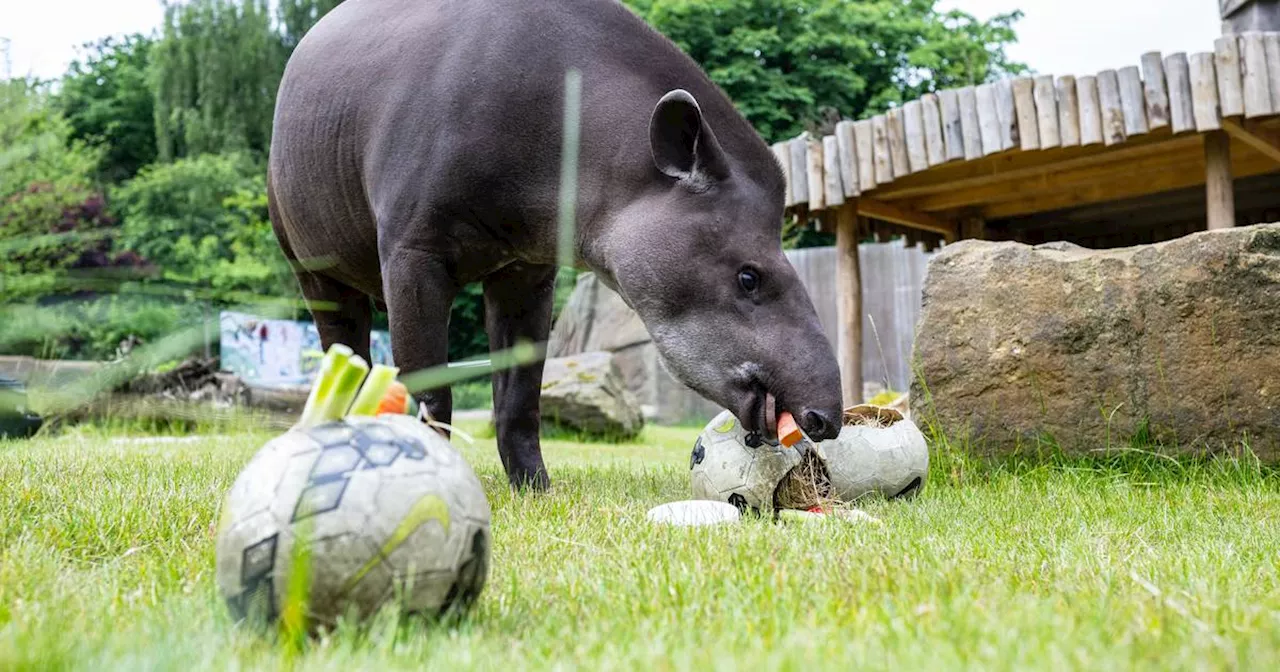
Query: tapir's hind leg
column 517, row 307
column 419, row 292
column 342, row 314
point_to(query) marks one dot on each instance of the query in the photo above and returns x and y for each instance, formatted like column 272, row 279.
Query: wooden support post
column 1220, row 197
column 849, row 304
column 973, row 227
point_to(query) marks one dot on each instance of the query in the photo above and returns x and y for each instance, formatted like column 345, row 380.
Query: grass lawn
column 106, row 561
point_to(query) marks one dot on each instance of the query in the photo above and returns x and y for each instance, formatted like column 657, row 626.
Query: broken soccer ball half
column 877, row 451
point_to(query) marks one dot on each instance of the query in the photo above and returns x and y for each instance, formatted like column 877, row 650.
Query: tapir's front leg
column 419, row 294
column 517, row 305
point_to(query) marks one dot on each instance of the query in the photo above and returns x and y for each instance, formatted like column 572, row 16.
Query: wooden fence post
column 1219, row 195
column 849, row 303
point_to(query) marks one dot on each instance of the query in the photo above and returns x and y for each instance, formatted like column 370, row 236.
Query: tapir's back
column 454, row 107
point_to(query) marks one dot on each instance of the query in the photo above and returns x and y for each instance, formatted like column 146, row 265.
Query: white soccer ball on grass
column 358, row 513
column 877, row 451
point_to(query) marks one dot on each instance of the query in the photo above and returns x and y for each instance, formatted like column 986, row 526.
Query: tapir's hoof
column 530, row 481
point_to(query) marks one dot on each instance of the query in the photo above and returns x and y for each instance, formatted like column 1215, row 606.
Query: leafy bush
column 93, row 328
column 203, row 223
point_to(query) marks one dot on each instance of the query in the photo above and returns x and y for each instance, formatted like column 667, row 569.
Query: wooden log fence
column 1176, row 93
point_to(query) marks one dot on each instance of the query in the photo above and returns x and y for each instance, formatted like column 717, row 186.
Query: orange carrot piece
column 788, row 430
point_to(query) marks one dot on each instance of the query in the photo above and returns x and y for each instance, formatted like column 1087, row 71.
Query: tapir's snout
column 806, row 379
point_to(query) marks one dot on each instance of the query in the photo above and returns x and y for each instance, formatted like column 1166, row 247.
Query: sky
column 1059, row 37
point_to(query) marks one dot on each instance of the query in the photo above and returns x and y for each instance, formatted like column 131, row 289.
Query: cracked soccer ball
column 373, row 510
column 877, row 451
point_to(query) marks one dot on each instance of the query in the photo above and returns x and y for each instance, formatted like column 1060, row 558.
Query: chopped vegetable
column 396, row 400
column 335, row 360
column 373, row 394
column 345, row 388
column 788, row 431
column 341, row 372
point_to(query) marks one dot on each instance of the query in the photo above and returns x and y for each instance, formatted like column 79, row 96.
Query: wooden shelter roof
column 1011, row 149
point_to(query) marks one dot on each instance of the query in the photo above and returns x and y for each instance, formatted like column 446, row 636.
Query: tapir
column 416, row 148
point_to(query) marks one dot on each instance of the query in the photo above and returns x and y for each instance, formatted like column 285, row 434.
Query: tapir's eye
column 749, row 280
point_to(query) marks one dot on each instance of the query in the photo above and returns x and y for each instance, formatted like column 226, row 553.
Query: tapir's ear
column 682, row 143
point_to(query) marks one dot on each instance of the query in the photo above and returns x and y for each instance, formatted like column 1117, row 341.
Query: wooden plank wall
column 893, row 276
column 1240, row 78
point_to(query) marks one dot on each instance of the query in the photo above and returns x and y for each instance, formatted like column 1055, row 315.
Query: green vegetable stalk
column 341, row 373
column 374, row 389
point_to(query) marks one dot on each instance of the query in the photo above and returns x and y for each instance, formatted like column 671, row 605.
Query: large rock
column 586, row 392
column 1177, row 342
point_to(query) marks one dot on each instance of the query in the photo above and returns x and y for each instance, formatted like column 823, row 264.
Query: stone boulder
column 586, row 392
column 1175, row 344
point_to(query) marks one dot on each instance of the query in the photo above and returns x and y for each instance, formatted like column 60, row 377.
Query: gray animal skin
column 416, row 148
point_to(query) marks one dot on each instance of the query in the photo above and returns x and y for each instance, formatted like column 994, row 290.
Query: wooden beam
column 849, row 303
column 1220, row 197
column 877, row 209
column 1092, row 156
column 1263, row 141
column 1058, row 178
column 1184, row 174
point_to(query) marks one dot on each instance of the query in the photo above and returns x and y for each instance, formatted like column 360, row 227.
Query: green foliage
column 298, row 16
column 217, row 68
column 793, row 64
column 107, row 100
column 93, row 328
column 37, row 148
column 52, row 218
column 203, row 222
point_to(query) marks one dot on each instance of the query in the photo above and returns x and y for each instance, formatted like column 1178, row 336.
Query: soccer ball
column 731, row 465
column 350, row 516
column 877, row 451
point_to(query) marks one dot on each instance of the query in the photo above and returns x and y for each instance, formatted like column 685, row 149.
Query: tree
column 52, row 217
column 217, row 68
column 789, row 65
column 203, row 222
column 107, row 99
column 298, row 16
